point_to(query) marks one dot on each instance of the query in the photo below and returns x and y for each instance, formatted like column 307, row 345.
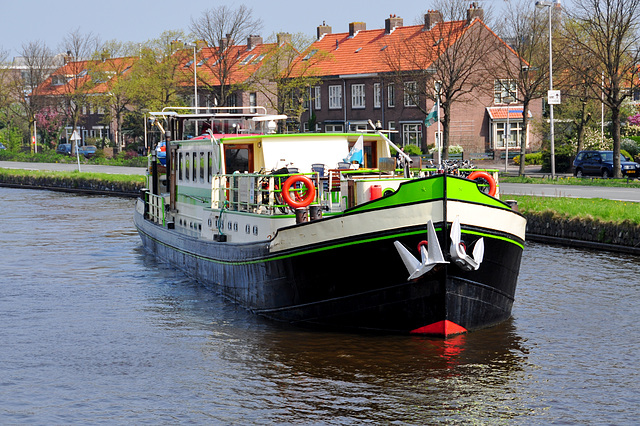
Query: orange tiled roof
column 365, row 51
column 500, row 113
column 75, row 75
column 245, row 62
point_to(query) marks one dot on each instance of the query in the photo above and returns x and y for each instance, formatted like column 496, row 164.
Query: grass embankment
column 564, row 180
column 607, row 211
column 97, row 183
column 74, row 175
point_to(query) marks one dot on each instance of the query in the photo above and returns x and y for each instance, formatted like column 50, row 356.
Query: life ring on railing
column 309, row 194
column 487, row 177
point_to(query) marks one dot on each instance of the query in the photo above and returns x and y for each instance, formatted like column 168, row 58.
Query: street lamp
column 540, row 4
column 195, row 74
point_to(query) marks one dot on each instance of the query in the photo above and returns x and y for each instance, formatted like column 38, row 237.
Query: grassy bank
column 570, row 180
column 609, row 211
column 73, row 176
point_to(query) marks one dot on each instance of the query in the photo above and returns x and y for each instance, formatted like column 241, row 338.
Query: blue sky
column 137, row 21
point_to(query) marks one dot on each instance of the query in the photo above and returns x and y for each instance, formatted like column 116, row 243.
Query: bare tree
column 606, row 32
column 25, row 87
column 223, row 27
column 448, row 61
column 283, row 77
column 79, row 49
column 527, row 33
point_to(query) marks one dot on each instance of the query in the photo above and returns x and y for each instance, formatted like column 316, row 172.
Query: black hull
column 359, row 286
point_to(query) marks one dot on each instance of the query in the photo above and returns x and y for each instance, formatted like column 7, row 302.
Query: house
column 79, row 89
column 375, row 75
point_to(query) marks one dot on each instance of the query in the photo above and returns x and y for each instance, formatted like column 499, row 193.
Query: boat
column 325, row 230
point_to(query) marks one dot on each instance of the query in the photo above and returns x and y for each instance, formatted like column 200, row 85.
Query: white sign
column 553, row 97
column 75, row 136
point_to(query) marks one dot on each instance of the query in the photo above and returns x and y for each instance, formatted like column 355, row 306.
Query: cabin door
column 238, row 158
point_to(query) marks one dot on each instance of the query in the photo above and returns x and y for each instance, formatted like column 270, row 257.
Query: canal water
column 93, row 330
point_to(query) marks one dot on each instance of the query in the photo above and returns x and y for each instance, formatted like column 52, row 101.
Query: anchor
column 458, row 251
column 431, row 256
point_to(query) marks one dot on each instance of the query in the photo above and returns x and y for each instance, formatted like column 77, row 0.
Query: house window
column 252, row 102
column 334, row 128
column 317, row 105
column 410, row 93
column 376, row 95
column 335, row 97
column 357, row 96
column 391, row 95
column 412, row 134
column 515, row 135
column 391, row 126
column 503, row 88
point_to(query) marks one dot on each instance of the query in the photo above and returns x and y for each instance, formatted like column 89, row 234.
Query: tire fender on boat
column 485, row 176
column 309, row 196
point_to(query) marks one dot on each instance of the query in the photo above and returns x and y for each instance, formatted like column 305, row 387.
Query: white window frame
column 317, row 101
column 410, row 89
column 376, row 95
column 502, row 88
column 357, row 96
column 334, row 128
column 411, row 132
column 391, row 95
column 335, row 97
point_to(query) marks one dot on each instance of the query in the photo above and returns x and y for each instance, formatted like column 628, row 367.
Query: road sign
column 553, row 97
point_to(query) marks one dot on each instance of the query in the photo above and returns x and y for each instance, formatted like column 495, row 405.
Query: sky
column 24, row 21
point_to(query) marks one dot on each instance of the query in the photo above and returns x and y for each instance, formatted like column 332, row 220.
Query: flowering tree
column 49, row 122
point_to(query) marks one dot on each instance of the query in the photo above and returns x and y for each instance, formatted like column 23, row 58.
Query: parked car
column 64, row 149
column 600, row 163
column 87, row 150
column 2, row 146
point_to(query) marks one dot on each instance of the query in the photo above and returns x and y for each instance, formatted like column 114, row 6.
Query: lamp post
column 195, row 75
column 540, row 4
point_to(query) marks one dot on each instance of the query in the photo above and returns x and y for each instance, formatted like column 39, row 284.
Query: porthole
column 255, row 230
column 235, row 226
column 247, row 229
column 230, row 226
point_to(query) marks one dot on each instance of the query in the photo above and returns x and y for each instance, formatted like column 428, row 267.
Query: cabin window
column 180, row 159
column 202, row 166
column 187, row 165
column 210, row 164
column 195, row 166
column 238, row 158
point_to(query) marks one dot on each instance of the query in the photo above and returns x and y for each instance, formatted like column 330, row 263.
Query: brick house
column 358, row 85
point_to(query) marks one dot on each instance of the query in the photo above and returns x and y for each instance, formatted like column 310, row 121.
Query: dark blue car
column 600, row 163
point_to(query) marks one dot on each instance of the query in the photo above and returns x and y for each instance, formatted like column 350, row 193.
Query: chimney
column 225, row 42
column 391, row 23
column 68, row 58
column 431, row 18
column 323, row 29
column 354, row 27
column 474, row 11
column 253, row 41
column 283, row 38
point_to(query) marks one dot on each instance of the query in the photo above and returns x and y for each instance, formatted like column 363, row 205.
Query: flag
column 356, row 152
column 432, row 116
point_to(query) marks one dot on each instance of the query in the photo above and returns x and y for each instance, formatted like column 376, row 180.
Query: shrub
column 631, row 146
column 564, row 158
column 535, row 158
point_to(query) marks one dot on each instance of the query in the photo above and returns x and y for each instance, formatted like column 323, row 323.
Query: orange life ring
column 486, row 176
column 299, row 202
